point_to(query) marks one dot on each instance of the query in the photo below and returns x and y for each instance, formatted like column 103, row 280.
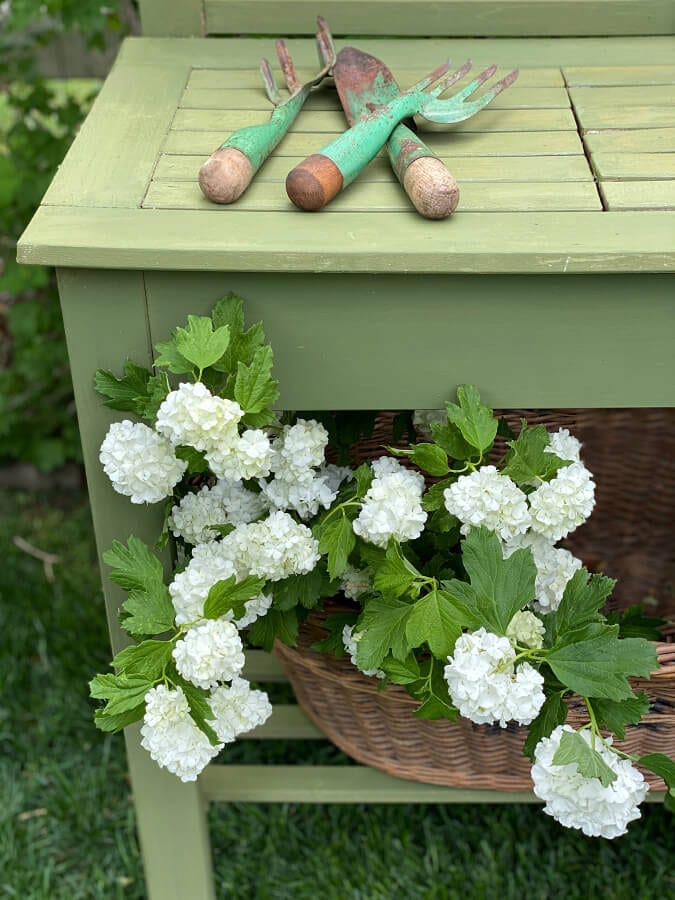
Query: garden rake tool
column 364, row 82
column 320, row 177
column 228, row 172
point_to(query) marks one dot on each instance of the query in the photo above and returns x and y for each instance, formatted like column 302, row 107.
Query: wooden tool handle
column 314, row 182
column 432, row 189
column 225, row 175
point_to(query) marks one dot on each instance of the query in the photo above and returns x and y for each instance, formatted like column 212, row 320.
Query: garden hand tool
column 320, row 177
column 363, row 82
column 228, row 172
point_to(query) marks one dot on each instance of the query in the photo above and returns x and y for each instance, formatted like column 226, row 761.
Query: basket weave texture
column 629, row 537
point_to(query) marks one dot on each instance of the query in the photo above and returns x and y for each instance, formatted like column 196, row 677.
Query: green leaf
column 276, row 623
column 633, row 622
column 406, row 671
column 433, row 498
column 434, row 694
column 194, row 458
column 574, row 749
column 148, row 611
column 337, row 540
column 581, row 600
column 200, row 710
column 664, row 767
column 501, row 586
column 199, row 343
column 129, row 393
column 363, row 476
column 474, row 420
column 303, row 590
column 552, row 714
column 429, row 457
column 169, row 358
column 228, row 595
column 123, row 692
column 114, row 723
column 134, row 567
column 243, row 344
column 434, row 620
column 383, row 623
column 333, row 642
column 395, row 575
column 465, row 601
column 450, row 440
column 527, row 460
column 229, row 311
column 613, row 714
column 254, row 389
column 146, row 660
column 593, row 662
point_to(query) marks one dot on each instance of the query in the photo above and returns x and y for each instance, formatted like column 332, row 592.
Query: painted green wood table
column 550, row 286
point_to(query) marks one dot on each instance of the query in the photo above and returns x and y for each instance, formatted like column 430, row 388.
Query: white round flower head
column 242, row 506
column 555, row 567
column 392, row 508
column 255, row 608
column 386, row 465
column 171, row 737
column 194, row 517
column 564, row 445
column 306, row 497
column 209, row 653
column 273, row 548
column 579, row 802
column 140, row 463
column 249, row 457
column 526, row 630
column 334, row 475
column 350, row 641
column 355, row 582
column 192, row 415
column 486, row 687
column 298, row 449
column 562, row 504
column 423, row 419
column 487, row 498
column 190, row 588
column 238, row 709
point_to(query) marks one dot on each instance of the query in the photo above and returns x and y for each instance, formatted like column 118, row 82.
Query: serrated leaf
column 433, row 498
column 114, row 723
column 243, row 344
column 336, row 541
column 582, row 598
column 194, row 458
column 158, row 389
column 633, row 622
column 199, row 343
column 148, row 611
column 276, row 623
column 450, row 440
column 303, row 590
column 382, row 623
column 434, row 620
column 552, row 714
column 229, row 595
column 406, row 671
column 573, row 749
column 134, row 567
column 123, row 692
column 128, row 393
column 147, row 659
column 395, row 575
column 464, row 598
column 614, row 715
column 200, row 710
column 474, row 420
column 169, row 358
column 527, row 460
column 363, row 477
column 254, row 388
column 434, row 694
column 229, row 311
column 430, row 458
column 595, row 663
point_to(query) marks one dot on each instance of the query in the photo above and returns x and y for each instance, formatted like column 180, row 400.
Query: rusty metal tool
column 320, row 177
column 229, row 170
column 362, row 82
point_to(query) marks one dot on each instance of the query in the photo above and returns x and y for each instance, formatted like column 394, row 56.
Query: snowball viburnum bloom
column 298, row 449
column 192, row 415
column 392, row 507
column 190, row 588
column 350, row 642
column 273, row 548
column 486, row 687
column 562, row 504
column 171, row 737
column 489, row 499
column 249, row 456
column 564, row 445
column 584, row 803
column 237, row 709
column 140, row 463
column 305, row 497
column 526, row 629
column 194, row 517
column 210, row 652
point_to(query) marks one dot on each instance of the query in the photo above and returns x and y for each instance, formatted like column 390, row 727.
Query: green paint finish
column 257, row 141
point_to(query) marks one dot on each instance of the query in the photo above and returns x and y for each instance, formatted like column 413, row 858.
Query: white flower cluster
column 192, row 415
column 526, row 630
column 350, row 641
column 249, row 456
column 227, row 503
column 562, row 504
column 486, row 686
column 210, row 652
column 489, row 499
column 393, row 505
column 272, row 548
column 172, row 738
column 140, row 463
column 564, row 445
column 584, row 803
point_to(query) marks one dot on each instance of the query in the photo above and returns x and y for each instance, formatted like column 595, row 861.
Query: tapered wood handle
column 432, row 189
column 314, row 182
column 225, row 175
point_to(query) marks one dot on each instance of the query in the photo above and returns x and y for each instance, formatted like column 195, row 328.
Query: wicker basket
column 630, row 537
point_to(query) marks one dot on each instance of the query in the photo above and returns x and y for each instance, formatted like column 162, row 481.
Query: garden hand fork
column 319, row 178
column 228, row 172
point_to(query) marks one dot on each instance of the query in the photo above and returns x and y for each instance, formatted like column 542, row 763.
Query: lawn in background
column 67, row 822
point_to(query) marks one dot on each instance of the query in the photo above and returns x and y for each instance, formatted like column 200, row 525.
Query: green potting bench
column 550, row 286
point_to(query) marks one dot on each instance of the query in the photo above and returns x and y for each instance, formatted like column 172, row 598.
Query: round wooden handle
column 314, row 183
column 432, row 189
column 225, row 175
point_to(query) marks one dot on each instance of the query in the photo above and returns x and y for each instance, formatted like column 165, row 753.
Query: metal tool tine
column 489, row 95
column 269, row 81
column 287, row 67
column 451, row 79
column 430, row 78
column 475, row 84
column 324, row 42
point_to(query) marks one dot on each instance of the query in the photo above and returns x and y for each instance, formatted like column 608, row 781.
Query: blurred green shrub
column 38, row 121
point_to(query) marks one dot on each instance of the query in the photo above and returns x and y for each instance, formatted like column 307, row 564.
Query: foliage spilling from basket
column 452, row 581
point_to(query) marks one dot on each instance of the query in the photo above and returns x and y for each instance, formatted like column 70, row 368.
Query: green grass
column 66, row 818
